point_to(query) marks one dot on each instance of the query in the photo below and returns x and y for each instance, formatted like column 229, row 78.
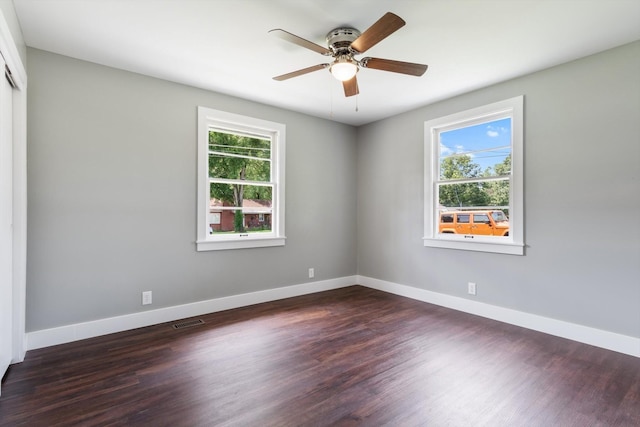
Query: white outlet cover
column 147, row 298
column 472, row 288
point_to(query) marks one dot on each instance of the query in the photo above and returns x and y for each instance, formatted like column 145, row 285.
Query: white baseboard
column 592, row 336
column 94, row 328
column 584, row 334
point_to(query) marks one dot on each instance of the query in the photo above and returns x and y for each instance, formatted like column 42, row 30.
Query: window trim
column 514, row 245
column 207, row 118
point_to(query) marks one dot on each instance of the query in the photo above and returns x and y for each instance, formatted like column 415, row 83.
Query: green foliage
column 460, row 195
column 238, row 222
column 257, row 192
column 504, row 168
column 498, row 191
column 456, row 167
column 489, row 193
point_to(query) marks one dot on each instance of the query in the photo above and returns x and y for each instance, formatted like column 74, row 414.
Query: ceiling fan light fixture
column 344, row 68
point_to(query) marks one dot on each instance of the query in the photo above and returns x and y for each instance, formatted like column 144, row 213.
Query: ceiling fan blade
column 292, row 38
column 350, row 87
column 300, row 72
column 380, row 30
column 394, row 66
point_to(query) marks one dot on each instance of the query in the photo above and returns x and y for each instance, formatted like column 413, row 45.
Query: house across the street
column 256, row 215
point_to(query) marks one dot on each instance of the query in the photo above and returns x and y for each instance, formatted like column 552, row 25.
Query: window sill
column 220, row 245
column 499, row 248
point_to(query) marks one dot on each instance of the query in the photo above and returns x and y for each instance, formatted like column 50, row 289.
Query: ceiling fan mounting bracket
column 339, row 40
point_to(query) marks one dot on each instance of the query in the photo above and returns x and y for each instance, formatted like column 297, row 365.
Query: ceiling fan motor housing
column 340, row 39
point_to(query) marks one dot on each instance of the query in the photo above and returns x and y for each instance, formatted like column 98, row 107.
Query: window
column 473, row 179
column 215, row 218
column 240, row 181
column 481, row 218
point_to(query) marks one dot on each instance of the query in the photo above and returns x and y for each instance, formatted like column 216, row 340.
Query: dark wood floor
column 353, row 356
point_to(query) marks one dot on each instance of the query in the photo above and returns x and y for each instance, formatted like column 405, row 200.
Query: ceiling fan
column 344, row 43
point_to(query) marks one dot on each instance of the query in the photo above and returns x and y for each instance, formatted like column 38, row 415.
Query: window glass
column 473, row 167
column 478, row 159
column 241, row 185
column 478, row 150
column 481, row 218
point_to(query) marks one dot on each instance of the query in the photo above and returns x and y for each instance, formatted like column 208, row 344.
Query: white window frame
column 209, row 118
column 514, row 243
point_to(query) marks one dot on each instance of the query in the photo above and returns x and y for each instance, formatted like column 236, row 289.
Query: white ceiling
column 224, row 45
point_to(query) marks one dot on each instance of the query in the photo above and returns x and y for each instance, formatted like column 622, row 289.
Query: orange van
column 486, row 223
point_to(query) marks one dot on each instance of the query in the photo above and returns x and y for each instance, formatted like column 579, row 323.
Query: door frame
column 9, row 52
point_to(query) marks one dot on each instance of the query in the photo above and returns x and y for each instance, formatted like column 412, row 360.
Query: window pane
column 486, row 222
column 474, row 208
column 499, row 215
column 234, row 194
column 481, row 218
column 236, row 208
column 236, row 221
column 480, row 194
column 234, row 156
column 476, row 151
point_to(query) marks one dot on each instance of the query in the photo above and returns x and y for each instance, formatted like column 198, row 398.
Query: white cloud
column 444, row 150
column 494, row 132
column 456, row 150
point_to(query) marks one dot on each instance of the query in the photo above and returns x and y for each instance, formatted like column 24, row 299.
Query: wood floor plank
column 348, row 357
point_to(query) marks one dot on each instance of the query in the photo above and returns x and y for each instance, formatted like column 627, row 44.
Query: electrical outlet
column 312, row 273
column 471, row 288
column 147, row 297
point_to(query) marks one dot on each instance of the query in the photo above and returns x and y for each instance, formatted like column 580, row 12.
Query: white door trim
column 9, row 51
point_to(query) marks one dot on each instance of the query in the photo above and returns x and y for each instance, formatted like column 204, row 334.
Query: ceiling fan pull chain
column 357, row 96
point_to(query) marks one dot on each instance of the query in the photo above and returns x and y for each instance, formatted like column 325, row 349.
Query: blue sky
column 480, row 141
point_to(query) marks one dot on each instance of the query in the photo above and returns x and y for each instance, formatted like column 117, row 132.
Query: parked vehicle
column 478, row 222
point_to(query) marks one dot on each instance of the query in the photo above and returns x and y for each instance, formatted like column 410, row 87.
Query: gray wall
column 112, row 196
column 582, row 198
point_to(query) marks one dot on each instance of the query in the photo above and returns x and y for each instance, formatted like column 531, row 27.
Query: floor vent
column 188, row 323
